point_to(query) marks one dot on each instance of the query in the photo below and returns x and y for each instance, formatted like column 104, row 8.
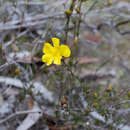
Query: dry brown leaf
column 85, row 60
column 93, row 38
column 82, row 60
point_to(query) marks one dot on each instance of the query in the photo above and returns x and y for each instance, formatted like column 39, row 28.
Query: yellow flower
column 53, row 54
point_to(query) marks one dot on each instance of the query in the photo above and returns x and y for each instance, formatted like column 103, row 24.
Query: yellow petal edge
column 65, row 51
column 56, row 41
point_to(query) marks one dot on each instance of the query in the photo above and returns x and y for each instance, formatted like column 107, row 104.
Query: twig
column 37, row 86
column 101, row 118
column 28, row 22
column 71, row 72
column 18, row 113
column 5, row 65
column 89, row 9
column 31, row 3
column 12, row 41
column 125, row 32
column 122, row 102
column 120, row 24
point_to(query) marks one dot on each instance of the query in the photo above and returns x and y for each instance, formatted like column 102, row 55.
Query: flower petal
column 47, row 59
column 48, row 48
column 65, row 51
column 55, row 41
column 57, row 60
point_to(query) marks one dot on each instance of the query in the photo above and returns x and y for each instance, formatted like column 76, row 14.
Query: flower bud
column 77, row 10
column 95, row 95
column 95, row 105
column 63, row 101
column 128, row 93
column 68, row 12
column 109, row 2
column 109, row 88
column 88, row 91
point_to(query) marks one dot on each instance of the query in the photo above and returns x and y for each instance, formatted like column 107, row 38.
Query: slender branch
column 16, row 114
column 28, row 22
column 79, row 19
column 68, row 19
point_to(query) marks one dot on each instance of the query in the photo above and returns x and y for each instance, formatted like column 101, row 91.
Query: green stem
column 68, row 20
column 71, row 72
column 79, row 18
